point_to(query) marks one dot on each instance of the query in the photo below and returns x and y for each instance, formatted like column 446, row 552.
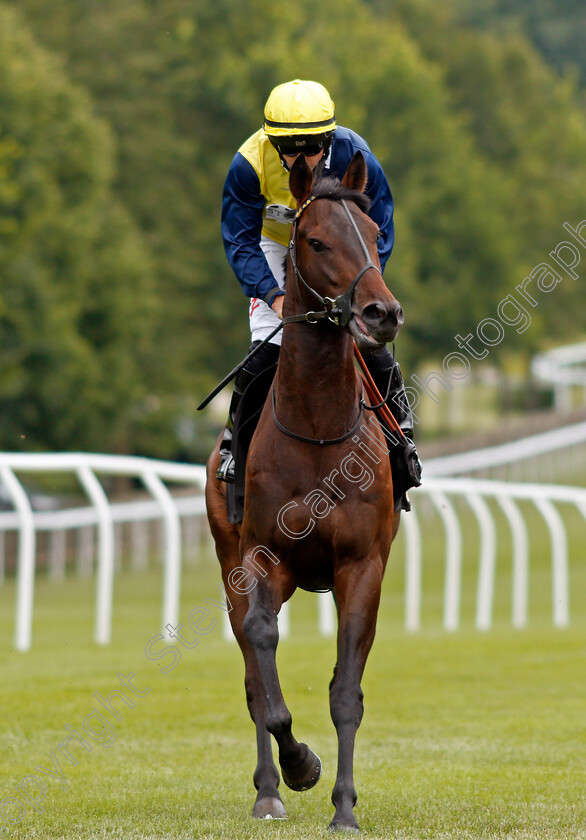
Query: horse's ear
column 356, row 176
column 301, row 180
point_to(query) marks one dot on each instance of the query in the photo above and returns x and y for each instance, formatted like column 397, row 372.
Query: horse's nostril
column 396, row 313
column 374, row 313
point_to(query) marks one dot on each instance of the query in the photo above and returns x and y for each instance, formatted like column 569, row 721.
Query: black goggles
column 307, row 149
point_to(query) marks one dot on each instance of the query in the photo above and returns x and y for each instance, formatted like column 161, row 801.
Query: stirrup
column 225, row 471
column 406, row 468
column 403, row 503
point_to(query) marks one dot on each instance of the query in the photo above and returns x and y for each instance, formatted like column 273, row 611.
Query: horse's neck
column 316, row 380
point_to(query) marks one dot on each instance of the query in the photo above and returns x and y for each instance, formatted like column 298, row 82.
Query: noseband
column 338, row 310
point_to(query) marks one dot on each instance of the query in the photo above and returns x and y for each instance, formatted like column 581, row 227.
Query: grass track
column 465, row 735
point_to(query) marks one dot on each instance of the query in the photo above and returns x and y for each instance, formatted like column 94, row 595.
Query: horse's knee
column 346, row 704
column 260, row 626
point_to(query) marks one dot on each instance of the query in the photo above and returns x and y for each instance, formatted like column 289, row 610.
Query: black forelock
column 334, row 189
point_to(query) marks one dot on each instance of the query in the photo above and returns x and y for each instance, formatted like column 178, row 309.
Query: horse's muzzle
column 377, row 324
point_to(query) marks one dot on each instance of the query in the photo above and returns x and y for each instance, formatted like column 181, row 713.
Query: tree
column 527, row 121
column 556, row 27
column 76, row 302
column 482, row 180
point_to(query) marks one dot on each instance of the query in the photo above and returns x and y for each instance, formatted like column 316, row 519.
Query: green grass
column 465, row 735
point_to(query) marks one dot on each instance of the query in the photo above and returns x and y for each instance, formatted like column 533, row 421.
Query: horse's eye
column 379, row 235
column 315, row 244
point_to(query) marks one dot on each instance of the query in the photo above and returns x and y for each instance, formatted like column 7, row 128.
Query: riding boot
column 266, row 356
column 405, row 462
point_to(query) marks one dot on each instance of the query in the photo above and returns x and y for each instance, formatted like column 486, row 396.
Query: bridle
column 337, row 310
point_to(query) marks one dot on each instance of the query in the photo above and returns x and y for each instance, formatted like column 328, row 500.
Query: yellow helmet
column 299, row 108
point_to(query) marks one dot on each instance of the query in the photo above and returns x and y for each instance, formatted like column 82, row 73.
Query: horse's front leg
column 268, row 803
column 357, row 590
column 300, row 767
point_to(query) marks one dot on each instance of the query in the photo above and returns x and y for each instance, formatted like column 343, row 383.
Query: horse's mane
column 334, row 189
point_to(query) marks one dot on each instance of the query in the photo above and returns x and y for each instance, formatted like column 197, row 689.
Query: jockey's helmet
column 299, row 118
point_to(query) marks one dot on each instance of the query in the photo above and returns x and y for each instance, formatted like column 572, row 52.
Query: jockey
column 257, row 212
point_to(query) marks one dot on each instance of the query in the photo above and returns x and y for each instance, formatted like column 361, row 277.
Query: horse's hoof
column 269, row 808
column 306, row 774
column 345, row 825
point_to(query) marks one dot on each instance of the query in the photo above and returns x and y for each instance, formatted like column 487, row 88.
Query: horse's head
column 335, row 255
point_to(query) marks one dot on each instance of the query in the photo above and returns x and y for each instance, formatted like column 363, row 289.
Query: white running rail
column 475, row 492
column 441, row 492
column 535, row 446
column 103, row 515
column 563, row 367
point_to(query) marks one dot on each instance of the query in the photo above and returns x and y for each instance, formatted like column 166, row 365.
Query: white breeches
column 262, row 318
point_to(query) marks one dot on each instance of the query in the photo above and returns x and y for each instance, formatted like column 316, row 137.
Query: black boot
column 405, row 462
column 266, row 356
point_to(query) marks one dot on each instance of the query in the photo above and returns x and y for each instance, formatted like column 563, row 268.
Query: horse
column 318, row 510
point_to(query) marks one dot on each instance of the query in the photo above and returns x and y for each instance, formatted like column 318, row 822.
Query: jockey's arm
column 381, row 208
column 242, row 219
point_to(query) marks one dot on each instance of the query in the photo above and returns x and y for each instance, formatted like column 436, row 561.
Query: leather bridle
column 337, row 310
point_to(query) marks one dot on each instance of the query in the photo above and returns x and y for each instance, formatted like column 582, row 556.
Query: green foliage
column 526, row 125
column 557, row 27
column 75, row 294
column 482, row 141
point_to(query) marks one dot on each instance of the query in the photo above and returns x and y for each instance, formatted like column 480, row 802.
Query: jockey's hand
column 277, row 305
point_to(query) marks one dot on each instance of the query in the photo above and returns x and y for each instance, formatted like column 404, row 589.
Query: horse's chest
column 314, row 512
column 322, row 524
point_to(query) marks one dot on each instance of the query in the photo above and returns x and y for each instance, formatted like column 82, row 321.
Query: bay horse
column 312, row 434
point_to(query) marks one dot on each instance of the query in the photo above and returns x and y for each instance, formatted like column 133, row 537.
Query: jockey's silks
column 273, row 179
column 257, row 178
